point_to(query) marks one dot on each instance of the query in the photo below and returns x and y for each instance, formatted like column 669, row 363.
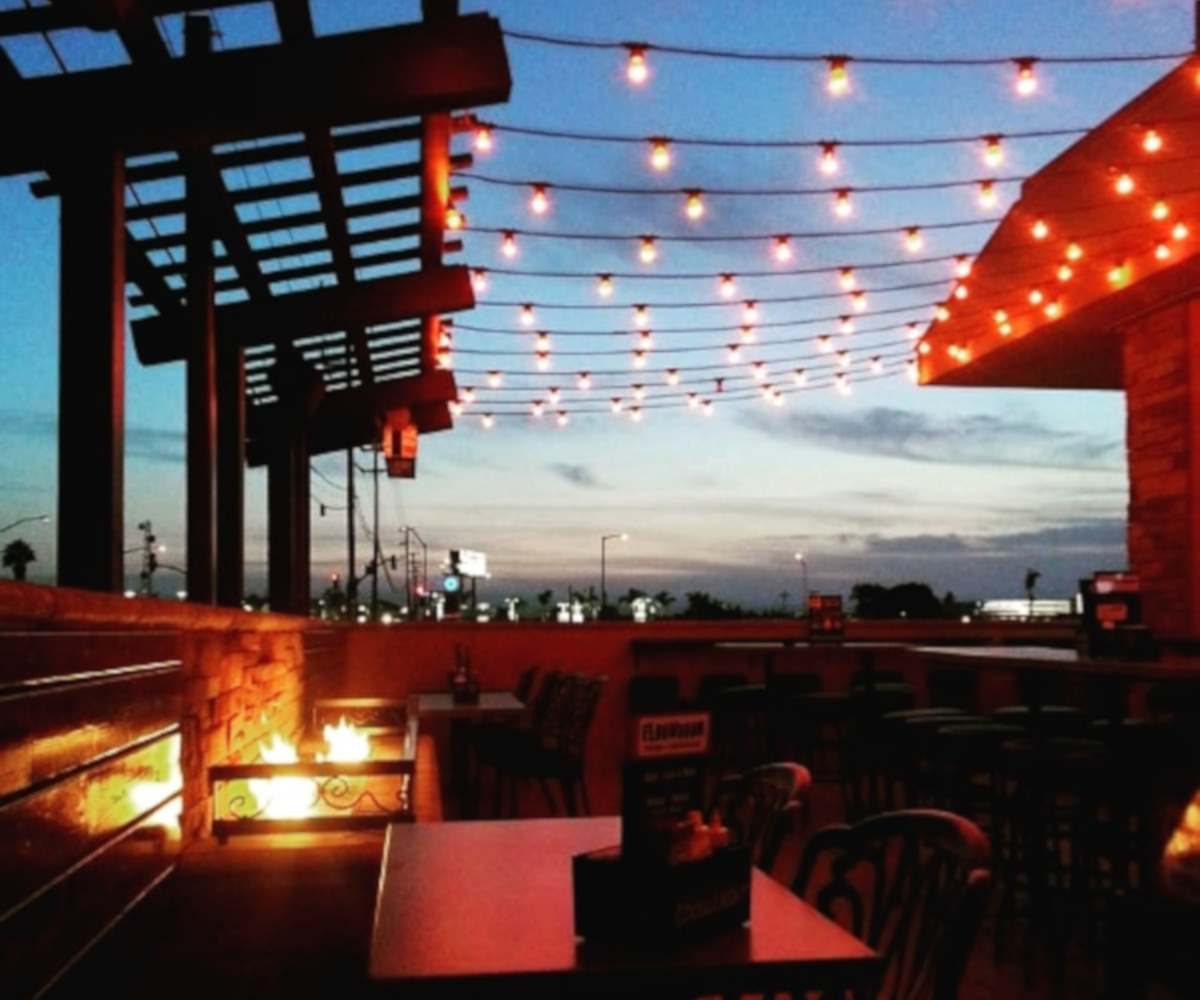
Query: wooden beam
column 353, row 417
column 240, row 94
column 321, row 310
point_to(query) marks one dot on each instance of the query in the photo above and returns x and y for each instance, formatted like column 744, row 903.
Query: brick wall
column 1162, row 380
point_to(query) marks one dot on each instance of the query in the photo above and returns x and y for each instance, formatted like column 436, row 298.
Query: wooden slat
column 38, row 657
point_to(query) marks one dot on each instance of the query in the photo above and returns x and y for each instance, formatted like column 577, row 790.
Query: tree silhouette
column 18, row 554
column 545, row 599
column 1031, row 578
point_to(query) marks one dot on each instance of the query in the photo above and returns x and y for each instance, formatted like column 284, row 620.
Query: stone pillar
column 1162, row 384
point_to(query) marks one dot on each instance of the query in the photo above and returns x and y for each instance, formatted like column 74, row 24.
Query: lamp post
column 803, row 583
column 44, row 518
column 604, row 540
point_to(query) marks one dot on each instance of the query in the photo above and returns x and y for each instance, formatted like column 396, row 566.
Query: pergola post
column 91, row 429
column 288, row 523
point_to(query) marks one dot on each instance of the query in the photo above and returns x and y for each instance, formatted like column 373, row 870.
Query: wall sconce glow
column 839, row 78
column 637, row 69
column 1027, row 82
column 660, row 154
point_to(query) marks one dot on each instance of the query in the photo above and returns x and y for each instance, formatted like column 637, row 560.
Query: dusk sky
column 963, row 489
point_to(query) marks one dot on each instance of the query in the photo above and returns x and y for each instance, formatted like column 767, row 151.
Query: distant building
column 1019, row 608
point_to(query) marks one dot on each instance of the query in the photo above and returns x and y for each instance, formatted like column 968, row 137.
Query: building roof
column 1075, row 260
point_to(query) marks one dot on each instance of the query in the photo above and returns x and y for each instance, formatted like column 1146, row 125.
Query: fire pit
column 354, row 777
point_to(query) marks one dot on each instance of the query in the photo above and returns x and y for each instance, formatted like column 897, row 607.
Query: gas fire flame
column 295, row 797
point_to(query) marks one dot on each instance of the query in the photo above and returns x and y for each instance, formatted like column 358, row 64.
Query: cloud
column 577, row 475
column 155, row 445
column 975, row 439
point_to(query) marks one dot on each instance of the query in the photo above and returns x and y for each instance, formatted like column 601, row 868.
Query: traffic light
column 452, row 588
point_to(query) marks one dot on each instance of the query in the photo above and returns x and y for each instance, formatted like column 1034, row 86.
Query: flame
column 282, row 798
column 1186, row 838
column 346, row 744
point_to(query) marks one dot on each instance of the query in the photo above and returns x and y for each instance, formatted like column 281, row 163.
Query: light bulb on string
column 1179, row 231
column 543, row 341
column 749, row 335
column 553, row 395
column 539, row 201
column 1124, row 184
column 635, row 414
column 913, row 331
column 479, row 280
column 584, row 381
column 733, row 354
column 467, row 396
column 859, row 299
column 455, row 220
column 1152, row 141
column 543, row 361
column 842, row 383
column 637, row 69
column 1036, row 296
column 1119, row 273
column 1040, row 229
column 488, row 421
column 527, row 314
column 483, row 138
column 750, row 312
column 838, row 82
column 843, row 359
column 641, row 317
column 845, row 326
column 708, row 409
column 913, row 371
column 537, row 408
column 639, row 358
column 660, row 154
column 942, row 313
column 1027, row 82
column 987, row 194
column 648, row 250
column 759, row 371
column 993, row 151
column 800, row 376
column 846, row 279
column 693, row 206
column 693, row 400
column 825, row 344
column 1074, row 251
column 508, row 244
column 1053, row 309
column 841, row 203
column 1160, row 210
column 494, row 379
column 561, row 418
column 645, row 340
column 962, row 266
column 783, row 249
column 616, row 404
column 961, row 291
column 445, row 360
column 455, row 407
column 639, row 391
column 672, row 375
column 829, row 158
column 604, row 286
column 1064, row 272
column 728, row 286
column 913, row 240
column 876, row 365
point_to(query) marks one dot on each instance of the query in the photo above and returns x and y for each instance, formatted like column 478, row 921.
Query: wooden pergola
column 1092, row 281
column 308, row 327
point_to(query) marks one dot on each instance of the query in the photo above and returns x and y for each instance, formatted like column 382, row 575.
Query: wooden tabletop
column 490, row 703
column 486, row 908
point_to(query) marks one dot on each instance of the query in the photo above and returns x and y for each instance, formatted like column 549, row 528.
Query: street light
column 804, row 581
column 604, row 540
column 44, row 518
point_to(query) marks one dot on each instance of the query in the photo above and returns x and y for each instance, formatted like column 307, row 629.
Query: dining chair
column 759, row 806
column 913, row 884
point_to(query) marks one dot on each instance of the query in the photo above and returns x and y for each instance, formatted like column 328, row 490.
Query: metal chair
column 913, row 884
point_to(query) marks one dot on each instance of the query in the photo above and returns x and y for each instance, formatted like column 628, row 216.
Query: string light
column 876, row 365
column 1027, row 82
column 839, row 77
column 585, row 381
column 1040, row 230
column 914, row 372
column 455, row 407
column 847, row 279
column 962, row 266
column 841, row 203
column 733, row 354
column 637, row 69
column 987, row 194
column 494, row 378
column 645, row 340
column 961, row 292
column 543, row 361
column 708, row 409
column 639, row 358
column 635, row 414
column 942, row 313
column 508, row 245
column 641, row 317
column 617, row 404
column 728, row 286
column 824, row 344
column 694, row 205
column 843, row 359
column 672, row 376
column 1160, row 210
column 913, row 240
column 800, row 376
column 1000, row 316
column 829, row 158
column 845, row 326
column 748, row 335
column 783, row 249
column 543, row 341
column 693, row 400
column 1036, row 296
column 759, row 371
column 1074, row 251
column 1179, row 231
column 553, row 395
column 1118, row 274
column 842, row 383
column 467, row 396
column 1064, row 272
column 1162, row 251
column 913, row 331
column 537, row 408
column 639, row 391
column 605, row 286
column 539, row 201
column 488, row 421
column 750, row 312
column 1152, row 141
column 660, row 154
column 479, row 280
column 649, row 250
column 527, row 314
column 483, row 138
column 455, row 220
column 859, row 300
column 1053, row 309
column 1124, row 183
column 993, row 151
column 561, row 418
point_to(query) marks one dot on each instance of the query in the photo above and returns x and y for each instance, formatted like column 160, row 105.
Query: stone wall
column 1162, row 380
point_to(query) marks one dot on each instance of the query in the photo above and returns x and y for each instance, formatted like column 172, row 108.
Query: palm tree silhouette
column 18, row 554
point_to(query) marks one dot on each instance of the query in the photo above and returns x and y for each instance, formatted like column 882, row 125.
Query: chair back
column 578, row 713
column 525, row 681
column 542, row 698
column 913, row 885
column 758, row 804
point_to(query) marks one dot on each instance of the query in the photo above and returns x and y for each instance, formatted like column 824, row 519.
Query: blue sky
column 962, row 489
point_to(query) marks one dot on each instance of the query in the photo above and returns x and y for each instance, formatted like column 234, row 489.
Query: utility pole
column 377, row 552
column 351, row 577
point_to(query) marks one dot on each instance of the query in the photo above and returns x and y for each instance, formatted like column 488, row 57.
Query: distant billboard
column 468, row 562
